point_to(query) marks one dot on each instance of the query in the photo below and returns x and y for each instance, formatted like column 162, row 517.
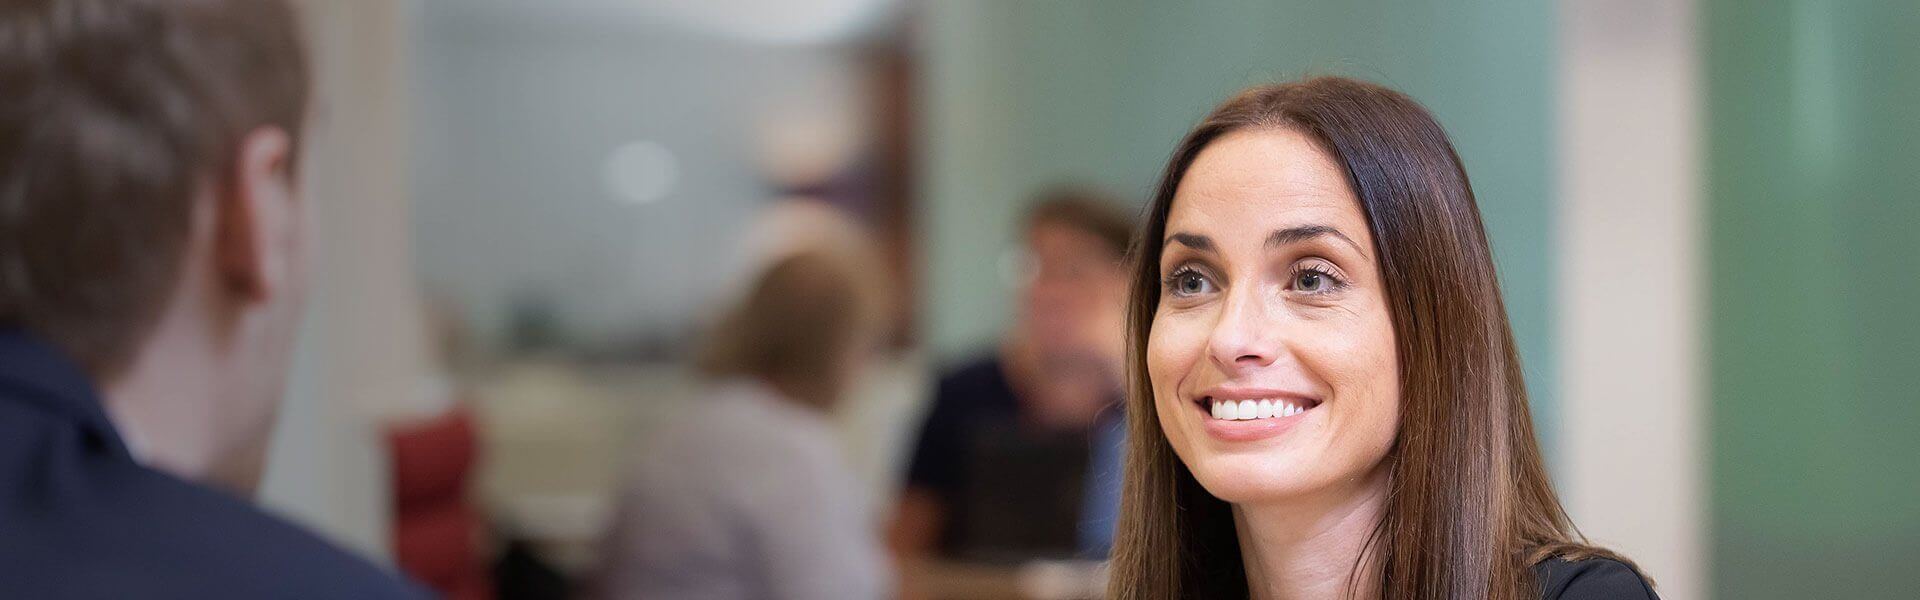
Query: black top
column 1011, row 491
column 1591, row 579
column 79, row 518
column 973, row 397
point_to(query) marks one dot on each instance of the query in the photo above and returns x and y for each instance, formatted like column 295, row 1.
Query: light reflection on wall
column 580, row 166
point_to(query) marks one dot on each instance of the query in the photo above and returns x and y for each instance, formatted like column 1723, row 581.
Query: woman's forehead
column 1262, row 180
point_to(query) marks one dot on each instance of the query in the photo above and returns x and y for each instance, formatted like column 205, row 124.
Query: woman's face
column 1272, row 353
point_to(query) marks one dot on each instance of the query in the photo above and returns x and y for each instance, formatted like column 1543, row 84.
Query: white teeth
column 1247, row 410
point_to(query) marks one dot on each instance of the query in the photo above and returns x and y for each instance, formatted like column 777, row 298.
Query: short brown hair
column 1084, row 209
column 116, row 115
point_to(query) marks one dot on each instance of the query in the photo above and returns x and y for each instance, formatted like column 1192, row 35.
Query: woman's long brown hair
column 1469, row 507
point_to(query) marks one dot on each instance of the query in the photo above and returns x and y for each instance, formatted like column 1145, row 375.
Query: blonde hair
column 812, row 307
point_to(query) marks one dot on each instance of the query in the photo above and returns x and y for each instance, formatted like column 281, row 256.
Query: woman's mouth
column 1250, row 417
column 1247, row 410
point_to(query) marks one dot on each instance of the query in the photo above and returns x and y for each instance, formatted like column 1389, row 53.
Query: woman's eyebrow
column 1301, row 233
column 1190, row 240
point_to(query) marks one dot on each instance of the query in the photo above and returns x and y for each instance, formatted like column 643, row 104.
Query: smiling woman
column 1326, row 399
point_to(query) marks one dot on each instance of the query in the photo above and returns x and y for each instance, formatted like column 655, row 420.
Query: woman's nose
column 1245, row 335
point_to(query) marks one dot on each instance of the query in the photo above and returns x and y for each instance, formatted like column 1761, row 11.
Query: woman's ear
column 257, row 218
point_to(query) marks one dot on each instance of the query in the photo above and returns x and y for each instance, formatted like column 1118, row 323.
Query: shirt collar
column 35, row 373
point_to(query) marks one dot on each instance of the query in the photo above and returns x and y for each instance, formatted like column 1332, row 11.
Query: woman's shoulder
column 1594, row 578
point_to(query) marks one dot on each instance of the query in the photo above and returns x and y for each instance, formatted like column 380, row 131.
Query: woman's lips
column 1243, row 416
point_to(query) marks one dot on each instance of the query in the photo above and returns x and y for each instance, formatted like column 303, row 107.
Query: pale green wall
column 1814, row 187
column 1022, row 93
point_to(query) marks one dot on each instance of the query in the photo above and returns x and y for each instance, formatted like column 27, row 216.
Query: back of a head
column 117, row 116
column 798, row 324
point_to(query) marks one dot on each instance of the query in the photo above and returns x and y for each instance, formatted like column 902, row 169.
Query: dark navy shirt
column 1012, row 491
column 79, row 518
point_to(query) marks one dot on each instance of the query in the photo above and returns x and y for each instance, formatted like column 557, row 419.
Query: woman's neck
column 1311, row 547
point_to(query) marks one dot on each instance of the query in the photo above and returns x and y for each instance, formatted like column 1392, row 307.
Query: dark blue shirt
column 79, row 518
column 1012, row 491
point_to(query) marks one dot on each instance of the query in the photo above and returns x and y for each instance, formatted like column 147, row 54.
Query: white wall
column 1630, row 293
column 519, row 107
column 362, row 349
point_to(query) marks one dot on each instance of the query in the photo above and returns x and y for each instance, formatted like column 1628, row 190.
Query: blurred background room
column 531, row 215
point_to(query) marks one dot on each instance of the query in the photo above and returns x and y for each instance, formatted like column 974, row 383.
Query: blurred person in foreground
column 749, row 495
column 152, row 266
column 1019, row 457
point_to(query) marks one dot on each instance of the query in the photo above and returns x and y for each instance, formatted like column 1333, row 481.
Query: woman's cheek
column 1165, row 347
column 1370, row 373
column 1356, row 365
column 1158, row 364
column 1173, row 346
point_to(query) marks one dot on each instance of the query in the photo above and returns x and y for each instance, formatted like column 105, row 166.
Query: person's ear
column 257, row 218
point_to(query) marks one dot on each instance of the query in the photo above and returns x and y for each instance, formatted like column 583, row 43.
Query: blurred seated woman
column 1326, row 399
column 749, row 496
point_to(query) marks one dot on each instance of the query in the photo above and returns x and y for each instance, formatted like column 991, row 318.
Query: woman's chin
column 1244, row 479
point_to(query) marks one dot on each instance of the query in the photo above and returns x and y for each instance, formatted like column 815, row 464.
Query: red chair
column 436, row 530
